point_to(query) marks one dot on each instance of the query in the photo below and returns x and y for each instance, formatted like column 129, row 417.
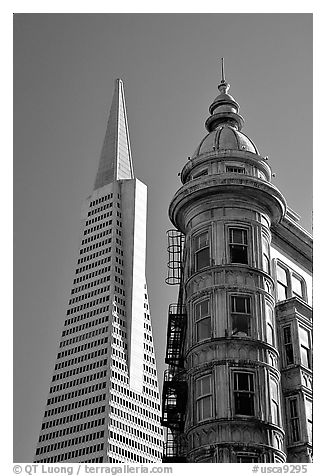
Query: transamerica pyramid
column 103, row 403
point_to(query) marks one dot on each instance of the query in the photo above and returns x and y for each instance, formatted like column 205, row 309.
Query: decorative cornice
column 264, row 194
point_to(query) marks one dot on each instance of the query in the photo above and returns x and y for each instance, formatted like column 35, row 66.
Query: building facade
column 238, row 388
column 104, row 403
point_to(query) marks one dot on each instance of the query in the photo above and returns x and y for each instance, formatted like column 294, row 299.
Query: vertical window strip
column 294, row 420
column 238, row 245
column 204, row 397
column 203, row 320
column 243, row 392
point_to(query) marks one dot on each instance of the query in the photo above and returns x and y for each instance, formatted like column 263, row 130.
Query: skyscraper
column 239, row 384
column 103, row 403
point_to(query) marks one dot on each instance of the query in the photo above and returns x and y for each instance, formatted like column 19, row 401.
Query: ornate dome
column 225, row 137
column 224, row 124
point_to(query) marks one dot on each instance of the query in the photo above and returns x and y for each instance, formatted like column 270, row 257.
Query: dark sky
column 64, row 71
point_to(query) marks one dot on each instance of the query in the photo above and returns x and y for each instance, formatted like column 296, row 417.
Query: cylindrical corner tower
column 221, row 395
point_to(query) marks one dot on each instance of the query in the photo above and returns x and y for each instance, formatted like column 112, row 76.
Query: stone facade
column 229, row 395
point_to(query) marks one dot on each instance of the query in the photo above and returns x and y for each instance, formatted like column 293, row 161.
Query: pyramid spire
column 115, row 161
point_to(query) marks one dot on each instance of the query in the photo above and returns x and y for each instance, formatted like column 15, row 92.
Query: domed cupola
column 225, row 137
column 224, row 110
column 224, row 125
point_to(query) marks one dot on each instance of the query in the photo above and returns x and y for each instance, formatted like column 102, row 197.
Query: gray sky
column 64, row 71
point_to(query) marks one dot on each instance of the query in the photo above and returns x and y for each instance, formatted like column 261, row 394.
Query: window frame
column 299, row 278
column 289, row 288
column 309, row 419
column 200, row 249
column 242, row 455
column 288, row 345
column 251, row 393
column 270, row 323
column 239, row 169
column 200, row 397
column 307, row 349
column 286, row 285
column 275, row 401
column 294, row 420
column 266, row 259
column 198, row 320
column 236, row 314
column 233, row 246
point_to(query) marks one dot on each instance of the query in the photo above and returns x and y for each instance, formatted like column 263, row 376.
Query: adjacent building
column 238, row 388
column 104, row 403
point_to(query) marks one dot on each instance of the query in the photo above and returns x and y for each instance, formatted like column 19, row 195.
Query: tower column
column 225, row 210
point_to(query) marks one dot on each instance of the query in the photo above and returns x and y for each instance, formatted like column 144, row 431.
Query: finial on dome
column 223, row 86
column 223, row 77
column 224, row 109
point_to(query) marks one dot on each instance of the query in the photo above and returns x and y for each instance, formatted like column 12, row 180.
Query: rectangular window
column 202, row 255
column 266, row 260
column 204, row 398
column 243, row 392
column 238, row 245
column 289, row 284
column 240, row 315
column 305, row 347
column 274, row 402
column 203, row 320
column 288, row 346
column 309, row 419
column 294, row 420
column 245, row 458
column 270, row 325
column 282, row 283
column 297, row 286
column 238, row 170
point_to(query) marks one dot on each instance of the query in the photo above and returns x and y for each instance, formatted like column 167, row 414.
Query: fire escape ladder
column 175, row 335
column 175, row 250
column 174, row 401
column 174, row 450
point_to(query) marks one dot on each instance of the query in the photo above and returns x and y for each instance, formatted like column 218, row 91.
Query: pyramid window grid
column 73, row 416
column 81, row 337
column 74, row 453
column 72, row 429
column 72, row 442
column 119, row 426
column 81, row 317
column 97, row 291
column 101, row 199
column 89, row 239
column 76, row 393
column 153, row 430
column 97, row 272
column 80, row 348
column 74, row 405
column 78, row 370
column 98, row 218
column 98, row 244
column 88, row 295
column 81, row 358
column 91, row 284
column 94, row 255
column 99, row 209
